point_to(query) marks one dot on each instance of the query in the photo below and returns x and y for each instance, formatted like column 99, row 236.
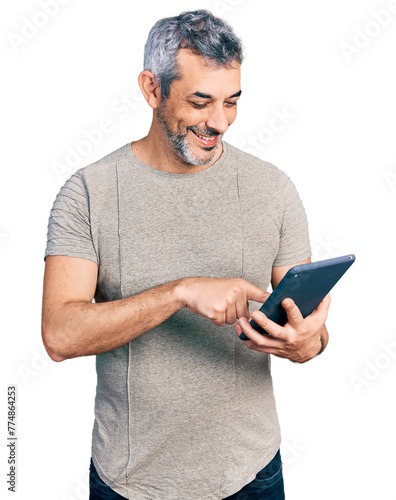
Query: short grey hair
column 199, row 31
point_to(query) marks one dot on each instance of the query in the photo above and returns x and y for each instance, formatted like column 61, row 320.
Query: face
column 200, row 107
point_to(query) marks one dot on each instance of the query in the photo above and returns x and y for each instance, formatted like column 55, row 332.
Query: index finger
column 255, row 293
column 273, row 329
column 267, row 325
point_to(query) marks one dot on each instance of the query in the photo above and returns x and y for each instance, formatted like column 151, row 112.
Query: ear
column 150, row 88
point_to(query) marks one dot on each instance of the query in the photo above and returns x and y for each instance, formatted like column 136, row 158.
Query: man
column 172, row 235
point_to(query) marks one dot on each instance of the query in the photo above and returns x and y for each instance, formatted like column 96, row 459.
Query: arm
column 300, row 339
column 74, row 326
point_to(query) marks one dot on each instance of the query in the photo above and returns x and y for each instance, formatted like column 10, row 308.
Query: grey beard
column 181, row 146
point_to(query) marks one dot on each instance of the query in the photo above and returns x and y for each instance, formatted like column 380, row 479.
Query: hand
column 222, row 300
column 299, row 340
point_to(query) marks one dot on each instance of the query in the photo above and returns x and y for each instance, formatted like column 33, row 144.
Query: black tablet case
column 307, row 285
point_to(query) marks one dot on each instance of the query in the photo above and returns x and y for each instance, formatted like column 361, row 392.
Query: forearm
column 81, row 328
column 73, row 326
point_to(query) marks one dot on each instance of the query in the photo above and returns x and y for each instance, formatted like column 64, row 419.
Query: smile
column 206, row 139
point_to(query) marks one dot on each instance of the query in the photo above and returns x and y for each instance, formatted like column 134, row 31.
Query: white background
column 338, row 411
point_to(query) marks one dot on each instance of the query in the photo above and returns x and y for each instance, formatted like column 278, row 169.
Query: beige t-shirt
column 185, row 411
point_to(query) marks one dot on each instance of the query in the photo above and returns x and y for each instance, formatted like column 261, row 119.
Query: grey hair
column 199, row 31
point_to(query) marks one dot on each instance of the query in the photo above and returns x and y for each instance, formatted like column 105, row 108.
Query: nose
column 218, row 119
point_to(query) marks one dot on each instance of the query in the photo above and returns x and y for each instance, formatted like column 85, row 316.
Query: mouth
column 206, row 140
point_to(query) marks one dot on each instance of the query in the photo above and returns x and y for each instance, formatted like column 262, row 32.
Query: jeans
column 268, row 485
column 98, row 490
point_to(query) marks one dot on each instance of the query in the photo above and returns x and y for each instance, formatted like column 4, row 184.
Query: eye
column 231, row 103
column 198, row 106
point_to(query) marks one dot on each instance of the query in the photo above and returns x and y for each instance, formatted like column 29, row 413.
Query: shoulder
column 250, row 168
column 102, row 169
column 93, row 182
column 97, row 178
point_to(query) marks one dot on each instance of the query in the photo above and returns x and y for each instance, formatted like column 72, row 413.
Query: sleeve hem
column 67, row 253
column 292, row 260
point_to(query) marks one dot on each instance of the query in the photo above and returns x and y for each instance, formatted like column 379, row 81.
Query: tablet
column 307, row 284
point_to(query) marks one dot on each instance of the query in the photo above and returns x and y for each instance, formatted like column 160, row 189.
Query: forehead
column 198, row 74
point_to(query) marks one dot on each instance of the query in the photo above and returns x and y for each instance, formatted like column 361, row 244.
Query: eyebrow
column 208, row 96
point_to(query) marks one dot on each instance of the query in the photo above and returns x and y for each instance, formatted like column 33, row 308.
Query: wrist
column 180, row 292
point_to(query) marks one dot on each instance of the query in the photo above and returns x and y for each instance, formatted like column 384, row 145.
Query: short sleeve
column 294, row 243
column 69, row 225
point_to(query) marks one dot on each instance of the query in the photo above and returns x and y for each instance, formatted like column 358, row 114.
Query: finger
column 325, row 304
column 238, row 329
column 231, row 315
column 294, row 316
column 242, row 309
column 255, row 293
column 244, row 326
column 219, row 319
column 241, row 333
column 265, row 343
column 258, row 342
column 268, row 325
column 323, row 308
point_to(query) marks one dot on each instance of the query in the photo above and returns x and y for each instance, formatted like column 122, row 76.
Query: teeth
column 204, row 137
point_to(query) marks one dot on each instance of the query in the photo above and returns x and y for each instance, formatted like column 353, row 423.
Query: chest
column 164, row 229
